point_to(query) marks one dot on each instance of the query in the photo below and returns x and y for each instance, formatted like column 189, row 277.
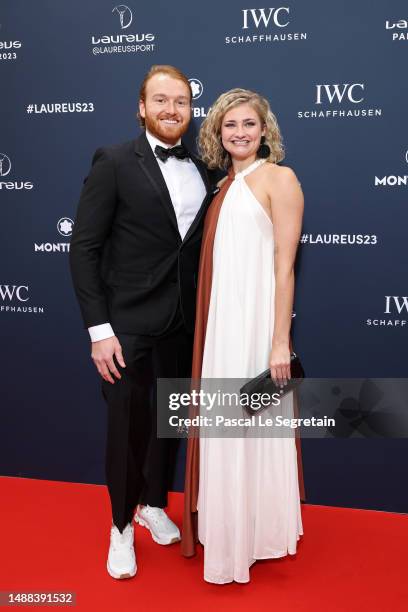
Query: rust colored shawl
column 189, row 534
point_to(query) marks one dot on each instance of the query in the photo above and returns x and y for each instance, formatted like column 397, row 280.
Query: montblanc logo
column 65, row 226
column 197, row 89
column 269, row 25
column 14, row 298
column 5, row 169
column 394, row 305
column 125, row 15
column 393, row 180
column 339, row 101
column 126, row 42
column 395, row 27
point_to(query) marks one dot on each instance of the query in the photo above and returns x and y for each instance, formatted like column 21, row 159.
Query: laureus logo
column 5, row 168
column 5, row 164
column 399, row 29
column 125, row 15
column 123, row 41
column 8, row 49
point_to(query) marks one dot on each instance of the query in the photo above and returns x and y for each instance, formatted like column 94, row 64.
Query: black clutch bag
column 263, row 383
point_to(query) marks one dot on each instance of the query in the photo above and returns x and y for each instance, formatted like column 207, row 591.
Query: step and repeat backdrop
column 335, row 75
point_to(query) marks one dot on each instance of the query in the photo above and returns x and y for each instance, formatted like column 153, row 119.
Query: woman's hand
column 279, row 363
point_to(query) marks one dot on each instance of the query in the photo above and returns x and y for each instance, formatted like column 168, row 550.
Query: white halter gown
column 248, row 503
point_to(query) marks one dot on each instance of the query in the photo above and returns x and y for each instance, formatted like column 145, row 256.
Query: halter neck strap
column 246, row 171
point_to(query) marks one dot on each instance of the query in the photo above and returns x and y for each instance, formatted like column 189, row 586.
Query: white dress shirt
column 187, row 191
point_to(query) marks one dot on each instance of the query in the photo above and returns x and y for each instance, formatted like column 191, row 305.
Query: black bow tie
column 179, row 151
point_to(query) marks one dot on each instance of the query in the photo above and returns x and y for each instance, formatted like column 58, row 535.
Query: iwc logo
column 265, row 25
column 394, row 305
column 14, row 298
column 339, row 101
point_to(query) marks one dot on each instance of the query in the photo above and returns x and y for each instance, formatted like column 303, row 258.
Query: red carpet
column 55, row 538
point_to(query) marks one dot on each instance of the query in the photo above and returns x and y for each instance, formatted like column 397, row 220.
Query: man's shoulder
column 117, row 151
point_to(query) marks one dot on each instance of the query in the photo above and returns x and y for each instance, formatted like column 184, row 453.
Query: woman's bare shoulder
column 280, row 175
column 283, row 188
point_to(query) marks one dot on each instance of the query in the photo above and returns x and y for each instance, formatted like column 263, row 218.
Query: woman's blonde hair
column 209, row 140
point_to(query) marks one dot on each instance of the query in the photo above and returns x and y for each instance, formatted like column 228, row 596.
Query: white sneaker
column 121, row 558
column 163, row 530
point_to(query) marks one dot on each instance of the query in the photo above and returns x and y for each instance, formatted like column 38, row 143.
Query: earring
column 264, row 150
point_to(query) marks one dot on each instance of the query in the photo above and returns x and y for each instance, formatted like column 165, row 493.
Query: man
column 134, row 258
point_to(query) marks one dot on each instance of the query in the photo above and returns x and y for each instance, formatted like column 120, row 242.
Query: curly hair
column 209, row 140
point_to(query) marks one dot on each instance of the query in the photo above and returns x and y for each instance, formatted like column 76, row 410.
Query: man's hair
column 171, row 71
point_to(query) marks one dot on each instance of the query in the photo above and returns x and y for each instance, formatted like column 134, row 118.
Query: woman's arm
column 287, row 205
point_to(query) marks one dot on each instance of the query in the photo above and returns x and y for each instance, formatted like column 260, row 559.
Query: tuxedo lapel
column 202, row 170
column 207, row 199
column 150, row 167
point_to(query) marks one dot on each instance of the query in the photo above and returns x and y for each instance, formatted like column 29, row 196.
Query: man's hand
column 102, row 355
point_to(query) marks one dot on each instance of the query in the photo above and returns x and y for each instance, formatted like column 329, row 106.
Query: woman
column 248, row 498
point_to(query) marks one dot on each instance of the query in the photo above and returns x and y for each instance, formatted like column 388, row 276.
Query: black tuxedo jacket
column 129, row 265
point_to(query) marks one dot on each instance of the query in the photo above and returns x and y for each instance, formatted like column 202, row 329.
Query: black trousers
column 139, row 466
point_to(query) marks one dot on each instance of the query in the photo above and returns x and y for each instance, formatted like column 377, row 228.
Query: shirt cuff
column 101, row 332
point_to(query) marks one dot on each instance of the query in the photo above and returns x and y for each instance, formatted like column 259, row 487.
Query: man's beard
column 155, row 127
